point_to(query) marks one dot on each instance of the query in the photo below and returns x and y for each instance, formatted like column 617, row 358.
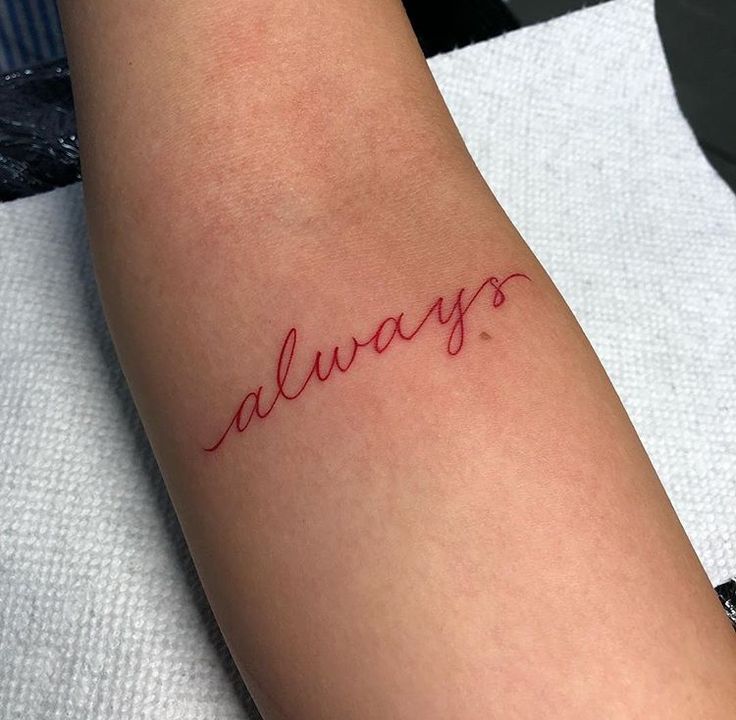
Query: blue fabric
column 30, row 33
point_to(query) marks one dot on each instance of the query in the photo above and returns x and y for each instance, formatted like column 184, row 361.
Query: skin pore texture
column 466, row 527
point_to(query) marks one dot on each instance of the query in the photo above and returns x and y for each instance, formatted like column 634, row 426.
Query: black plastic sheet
column 38, row 138
column 727, row 596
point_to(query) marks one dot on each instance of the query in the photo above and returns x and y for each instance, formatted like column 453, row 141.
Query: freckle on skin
column 485, row 336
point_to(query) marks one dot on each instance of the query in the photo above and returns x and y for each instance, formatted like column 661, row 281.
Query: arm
column 269, row 180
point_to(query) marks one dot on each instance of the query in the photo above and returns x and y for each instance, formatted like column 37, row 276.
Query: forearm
column 265, row 181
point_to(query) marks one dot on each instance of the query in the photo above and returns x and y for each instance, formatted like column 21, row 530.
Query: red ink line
column 388, row 330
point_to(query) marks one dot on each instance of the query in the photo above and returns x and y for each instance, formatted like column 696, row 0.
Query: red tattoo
column 388, row 330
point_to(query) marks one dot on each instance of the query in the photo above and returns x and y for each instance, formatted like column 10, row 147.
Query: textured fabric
column 575, row 126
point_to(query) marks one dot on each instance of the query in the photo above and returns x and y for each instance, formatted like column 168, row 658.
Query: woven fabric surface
column 575, row 126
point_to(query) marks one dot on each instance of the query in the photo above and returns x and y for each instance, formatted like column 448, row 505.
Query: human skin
column 427, row 535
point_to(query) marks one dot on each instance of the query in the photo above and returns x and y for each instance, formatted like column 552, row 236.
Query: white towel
column 575, row 126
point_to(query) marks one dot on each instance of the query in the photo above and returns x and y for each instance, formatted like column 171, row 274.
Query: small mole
column 485, row 336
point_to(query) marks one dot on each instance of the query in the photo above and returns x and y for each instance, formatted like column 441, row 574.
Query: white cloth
column 575, row 125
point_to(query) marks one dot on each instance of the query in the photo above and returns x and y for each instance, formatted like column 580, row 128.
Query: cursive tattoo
column 390, row 329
